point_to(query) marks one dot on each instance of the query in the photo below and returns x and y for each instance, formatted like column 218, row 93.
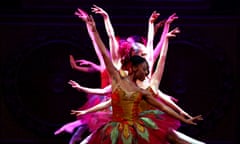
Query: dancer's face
column 141, row 71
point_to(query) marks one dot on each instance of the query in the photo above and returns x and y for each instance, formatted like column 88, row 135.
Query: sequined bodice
column 125, row 105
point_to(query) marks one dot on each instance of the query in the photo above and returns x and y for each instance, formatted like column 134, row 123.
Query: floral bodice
column 125, row 105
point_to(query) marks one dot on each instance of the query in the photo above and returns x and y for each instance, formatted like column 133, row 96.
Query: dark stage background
column 37, row 36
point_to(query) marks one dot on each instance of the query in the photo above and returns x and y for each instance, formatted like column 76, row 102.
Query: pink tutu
column 97, row 119
column 92, row 101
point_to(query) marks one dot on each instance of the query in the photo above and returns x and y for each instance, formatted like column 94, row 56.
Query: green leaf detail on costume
column 114, row 134
column 127, row 140
column 107, row 129
column 142, row 131
column 157, row 113
column 149, row 123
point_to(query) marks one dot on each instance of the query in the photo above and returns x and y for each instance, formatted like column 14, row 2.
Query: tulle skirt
column 96, row 119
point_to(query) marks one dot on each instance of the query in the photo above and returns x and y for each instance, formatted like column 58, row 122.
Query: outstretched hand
column 82, row 14
column 78, row 112
column 97, row 10
column 154, row 16
column 171, row 18
column 173, row 32
column 73, row 84
column 88, row 19
column 193, row 119
column 83, row 62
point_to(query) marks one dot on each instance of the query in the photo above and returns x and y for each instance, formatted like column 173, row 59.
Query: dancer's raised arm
column 157, row 75
column 150, row 38
column 151, row 100
column 98, row 107
column 163, row 36
column 95, row 37
column 84, row 16
column 113, row 43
